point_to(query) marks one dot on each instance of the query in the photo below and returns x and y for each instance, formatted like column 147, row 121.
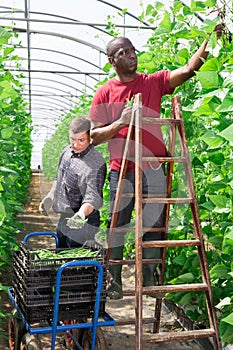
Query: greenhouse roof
column 62, row 46
column 62, row 50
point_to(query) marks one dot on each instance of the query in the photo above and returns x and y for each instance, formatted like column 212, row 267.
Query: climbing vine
column 15, row 150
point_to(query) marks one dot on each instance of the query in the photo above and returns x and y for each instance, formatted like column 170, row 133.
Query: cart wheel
column 76, row 334
column 87, row 337
column 30, row 342
column 16, row 329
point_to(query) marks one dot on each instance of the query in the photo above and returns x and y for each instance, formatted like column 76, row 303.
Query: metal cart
column 24, row 336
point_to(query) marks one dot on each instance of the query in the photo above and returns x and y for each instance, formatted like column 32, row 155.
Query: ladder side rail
column 119, row 191
column 191, row 192
column 138, row 224
column 189, row 175
column 197, row 227
column 170, row 166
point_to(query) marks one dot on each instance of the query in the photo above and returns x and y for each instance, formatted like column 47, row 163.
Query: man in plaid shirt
column 77, row 191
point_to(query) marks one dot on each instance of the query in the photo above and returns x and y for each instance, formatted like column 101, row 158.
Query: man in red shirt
column 110, row 119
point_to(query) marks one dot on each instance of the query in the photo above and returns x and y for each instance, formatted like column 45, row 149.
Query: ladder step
column 173, row 243
column 164, row 159
column 159, row 291
column 161, row 159
column 132, row 229
column 132, row 262
column 191, row 287
column 124, row 322
column 151, row 199
column 144, row 195
column 161, row 121
column 169, row 336
column 167, row 200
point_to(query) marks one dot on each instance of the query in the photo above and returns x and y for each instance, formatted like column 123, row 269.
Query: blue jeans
column 74, row 238
column 153, row 215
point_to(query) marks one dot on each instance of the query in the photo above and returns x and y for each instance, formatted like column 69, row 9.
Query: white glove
column 47, row 201
column 45, row 205
column 76, row 221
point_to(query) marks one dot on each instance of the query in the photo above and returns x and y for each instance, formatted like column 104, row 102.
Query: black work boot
column 114, row 290
column 148, row 270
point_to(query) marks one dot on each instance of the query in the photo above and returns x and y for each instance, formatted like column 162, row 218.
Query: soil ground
column 117, row 338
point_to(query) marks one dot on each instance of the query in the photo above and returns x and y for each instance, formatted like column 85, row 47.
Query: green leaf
column 219, row 271
column 227, row 104
column 4, row 36
column 208, row 80
column 197, row 6
column 219, row 200
column 210, row 65
column 212, row 140
column 207, row 205
column 180, row 259
column 166, row 22
column 228, row 319
column 217, row 158
column 204, row 109
column 182, row 56
column 8, row 50
column 185, row 278
column 226, row 331
column 186, row 299
column 7, row 132
column 210, row 3
column 228, row 133
column 2, row 209
column 216, row 241
column 149, row 9
column 208, row 25
column 8, row 90
column 181, row 30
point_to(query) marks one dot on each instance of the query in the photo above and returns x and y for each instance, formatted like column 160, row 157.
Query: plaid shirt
column 80, row 179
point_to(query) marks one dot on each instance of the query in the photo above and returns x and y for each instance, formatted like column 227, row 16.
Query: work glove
column 47, row 201
column 76, row 221
column 45, row 205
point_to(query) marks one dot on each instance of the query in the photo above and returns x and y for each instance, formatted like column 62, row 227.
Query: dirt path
column 117, row 338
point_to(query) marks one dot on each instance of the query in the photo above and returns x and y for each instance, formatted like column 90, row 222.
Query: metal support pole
column 27, row 15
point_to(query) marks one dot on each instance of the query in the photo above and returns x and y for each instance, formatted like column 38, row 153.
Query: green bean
column 69, row 253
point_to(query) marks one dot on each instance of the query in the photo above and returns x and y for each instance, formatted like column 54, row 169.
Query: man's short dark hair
column 80, row 124
column 110, row 49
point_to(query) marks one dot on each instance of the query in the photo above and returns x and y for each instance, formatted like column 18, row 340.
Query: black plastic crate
column 45, row 296
column 31, row 263
column 71, row 277
column 34, row 282
column 75, row 311
column 33, row 270
column 70, row 283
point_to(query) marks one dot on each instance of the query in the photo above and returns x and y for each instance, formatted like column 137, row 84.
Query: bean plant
column 15, row 153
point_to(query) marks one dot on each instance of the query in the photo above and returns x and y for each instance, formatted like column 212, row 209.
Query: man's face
column 80, row 141
column 124, row 58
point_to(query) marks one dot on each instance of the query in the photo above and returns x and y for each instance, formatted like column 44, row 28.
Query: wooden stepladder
column 176, row 134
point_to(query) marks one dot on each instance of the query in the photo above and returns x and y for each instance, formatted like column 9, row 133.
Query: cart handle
column 41, row 234
column 97, row 301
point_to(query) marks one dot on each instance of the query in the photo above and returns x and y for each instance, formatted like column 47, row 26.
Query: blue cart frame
column 108, row 320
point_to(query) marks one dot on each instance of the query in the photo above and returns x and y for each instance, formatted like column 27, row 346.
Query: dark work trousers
column 153, row 215
column 74, row 238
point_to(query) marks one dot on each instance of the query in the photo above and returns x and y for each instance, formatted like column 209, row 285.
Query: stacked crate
column 34, row 281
